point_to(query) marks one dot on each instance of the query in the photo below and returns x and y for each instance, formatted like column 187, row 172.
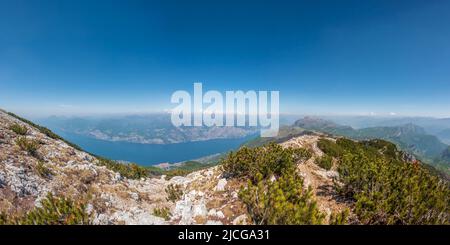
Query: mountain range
column 145, row 129
column 408, row 137
column 439, row 127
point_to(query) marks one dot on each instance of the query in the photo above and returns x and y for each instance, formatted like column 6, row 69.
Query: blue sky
column 325, row 57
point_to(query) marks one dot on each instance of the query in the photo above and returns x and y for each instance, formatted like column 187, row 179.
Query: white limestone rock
column 221, row 184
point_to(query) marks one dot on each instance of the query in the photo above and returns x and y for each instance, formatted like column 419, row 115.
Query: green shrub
column 45, row 131
column 186, row 168
column 388, row 191
column 329, row 147
column 162, row 212
column 30, row 146
column 20, row 130
column 386, row 148
column 281, row 202
column 131, row 170
column 325, row 162
column 54, row 211
column 269, row 160
column 176, row 172
column 134, row 171
column 4, row 219
column 42, row 170
column 174, row 192
column 340, row 218
column 347, row 145
column 301, row 154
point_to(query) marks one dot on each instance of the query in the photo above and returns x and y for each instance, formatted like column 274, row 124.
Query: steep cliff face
column 49, row 165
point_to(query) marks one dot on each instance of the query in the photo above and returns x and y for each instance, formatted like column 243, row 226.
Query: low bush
column 387, row 148
column 42, row 170
column 329, row 147
column 162, row 212
column 131, row 170
column 176, row 172
column 18, row 129
column 388, row 191
column 301, row 154
column 385, row 188
column 269, row 160
column 53, row 211
column 341, row 218
column 44, row 130
column 174, row 192
column 283, row 201
column 28, row 145
column 325, row 162
column 347, row 145
column 274, row 193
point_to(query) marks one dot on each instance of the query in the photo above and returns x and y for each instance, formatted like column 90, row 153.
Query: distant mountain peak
column 314, row 121
column 412, row 128
column 409, row 136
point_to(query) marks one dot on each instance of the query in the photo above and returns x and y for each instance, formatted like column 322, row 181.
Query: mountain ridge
column 409, row 137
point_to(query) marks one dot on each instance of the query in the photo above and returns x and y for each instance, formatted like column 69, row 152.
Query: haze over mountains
column 157, row 129
column 408, row 137
column 145, row 129
column 439, row 127
column 424, row 137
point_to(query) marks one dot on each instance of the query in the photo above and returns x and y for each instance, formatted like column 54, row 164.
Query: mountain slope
column 444, row 135
column 408, row 137
column 111, row 198
column 26, row 178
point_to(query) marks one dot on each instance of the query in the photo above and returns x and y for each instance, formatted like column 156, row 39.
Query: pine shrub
column 174, row 192
column 329, row 147
column 274, row 193
column 283, row 201
column 389, row 191
column 53, row 211
column 18, row 129
column 340, row 218
column 131, row 170
column 30, row 146
column 162, row 212
column 267, row 161
column 42, row 170
column 301, row 154
column 325, row 162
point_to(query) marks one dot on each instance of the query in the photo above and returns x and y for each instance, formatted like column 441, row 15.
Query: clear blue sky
column 325, row 57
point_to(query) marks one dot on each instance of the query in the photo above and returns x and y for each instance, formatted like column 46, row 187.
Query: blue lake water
column 150, row 154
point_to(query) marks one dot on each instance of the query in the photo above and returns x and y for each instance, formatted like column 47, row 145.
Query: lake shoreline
column 154, row 154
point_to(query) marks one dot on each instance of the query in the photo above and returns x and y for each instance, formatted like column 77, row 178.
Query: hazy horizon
column 299, row 115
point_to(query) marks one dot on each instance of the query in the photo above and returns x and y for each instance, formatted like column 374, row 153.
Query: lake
column 150, row 154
